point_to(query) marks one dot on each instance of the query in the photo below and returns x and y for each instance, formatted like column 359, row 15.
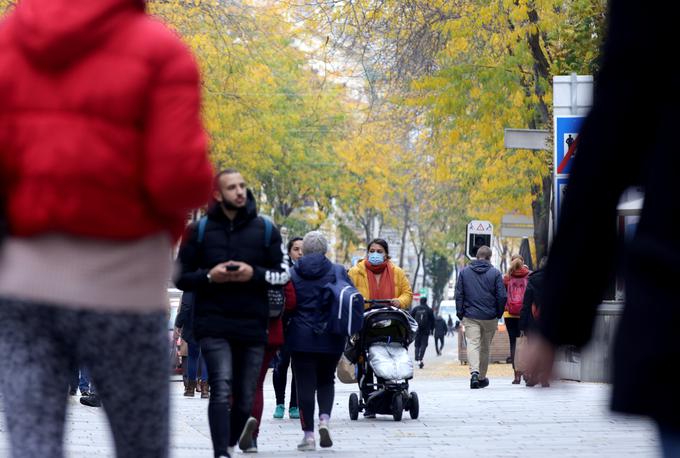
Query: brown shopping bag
column 346, row 371
column 522, row 353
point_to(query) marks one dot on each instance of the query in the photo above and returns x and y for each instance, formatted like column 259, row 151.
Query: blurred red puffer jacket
column 100, row 128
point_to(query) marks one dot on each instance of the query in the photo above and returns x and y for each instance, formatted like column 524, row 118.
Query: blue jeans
column 194, row 358
column 81, row 379
column 670, row 441
column 233, row 370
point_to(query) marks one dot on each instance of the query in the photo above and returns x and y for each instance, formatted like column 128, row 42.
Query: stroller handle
column 379, row 303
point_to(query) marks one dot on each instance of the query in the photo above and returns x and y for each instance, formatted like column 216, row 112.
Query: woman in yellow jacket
column 376, row 277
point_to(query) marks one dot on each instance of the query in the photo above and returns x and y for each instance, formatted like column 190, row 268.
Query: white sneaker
column 245, row 442
column 307, row 445
column 325, row 440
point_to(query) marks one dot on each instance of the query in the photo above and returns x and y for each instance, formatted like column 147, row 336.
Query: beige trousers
column 478, row 334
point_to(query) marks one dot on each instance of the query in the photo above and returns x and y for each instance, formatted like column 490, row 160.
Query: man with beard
column 229, row 260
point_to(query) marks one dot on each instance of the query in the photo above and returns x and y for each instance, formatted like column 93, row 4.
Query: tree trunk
column 541, row 213
column 407, row 209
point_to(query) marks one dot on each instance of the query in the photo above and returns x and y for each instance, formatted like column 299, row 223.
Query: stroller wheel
column 353, row 406
column 397, row 407
column 413, row 405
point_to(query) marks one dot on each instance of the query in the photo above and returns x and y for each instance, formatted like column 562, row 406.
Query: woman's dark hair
column 380, row 242
column 291, row 242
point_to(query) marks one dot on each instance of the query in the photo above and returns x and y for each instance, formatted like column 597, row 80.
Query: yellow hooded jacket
column 402, row 288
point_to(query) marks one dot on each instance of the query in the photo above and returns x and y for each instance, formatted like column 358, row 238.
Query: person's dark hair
column 423, row 301
column 291, row 242
column 380, row 242
column 216, row 180
column 484, row 252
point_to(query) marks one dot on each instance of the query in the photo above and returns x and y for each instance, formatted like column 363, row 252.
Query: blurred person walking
column 102, row 155
column 280, row 373
column 531, row 311
column 230, row 259
column 606, row 163
column 184, row 321
column 480, row 301
column 426, row 322
column 450, row 326
column 440, row 330
column 515, row 282
column 315, row 351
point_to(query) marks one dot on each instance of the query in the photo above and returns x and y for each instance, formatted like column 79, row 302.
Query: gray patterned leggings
column 40, row 343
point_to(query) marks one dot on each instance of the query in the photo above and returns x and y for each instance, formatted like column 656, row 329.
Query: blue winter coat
column 306, row 328
column 480, row 293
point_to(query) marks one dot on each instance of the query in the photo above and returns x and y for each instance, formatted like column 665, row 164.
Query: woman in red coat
column 102, row 155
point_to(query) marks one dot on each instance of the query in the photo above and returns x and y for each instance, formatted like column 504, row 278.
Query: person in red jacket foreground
column 102, row 155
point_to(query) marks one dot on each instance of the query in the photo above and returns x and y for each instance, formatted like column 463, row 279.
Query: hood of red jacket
column 56, row 33
column 523, row 272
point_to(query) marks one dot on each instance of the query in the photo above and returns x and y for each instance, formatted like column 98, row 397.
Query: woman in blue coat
column 314, row 351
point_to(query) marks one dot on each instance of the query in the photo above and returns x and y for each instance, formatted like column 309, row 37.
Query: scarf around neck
column 384, row 290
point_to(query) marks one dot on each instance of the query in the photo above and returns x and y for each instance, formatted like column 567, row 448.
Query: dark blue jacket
column 480, row 293
column 306, row 329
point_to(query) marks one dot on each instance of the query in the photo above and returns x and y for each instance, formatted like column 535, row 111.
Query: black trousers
column 512, row 325
column 280, row 379
column 439, row 343
column 315, row 377
column 421, row 345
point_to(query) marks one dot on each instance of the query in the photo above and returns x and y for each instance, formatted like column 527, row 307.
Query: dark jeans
column 233, row 368
column 512, row 325
column 421, row 345
column 439, row 344
column 280, row 379
column 194, row 358
column 314, row 374
column 81, row 380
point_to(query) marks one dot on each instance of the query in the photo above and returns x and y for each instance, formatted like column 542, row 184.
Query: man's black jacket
column 237, row 311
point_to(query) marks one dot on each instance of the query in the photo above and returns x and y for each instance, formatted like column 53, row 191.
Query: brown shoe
column 205, row 390
column 190, row 389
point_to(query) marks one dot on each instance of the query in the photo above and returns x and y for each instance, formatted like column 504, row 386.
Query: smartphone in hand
column 232, row 268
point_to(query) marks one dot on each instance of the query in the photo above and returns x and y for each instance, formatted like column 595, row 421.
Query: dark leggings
column 280, row 379
column 421, row 344
column 41, row 342
column 314, row 374
column 512, row 325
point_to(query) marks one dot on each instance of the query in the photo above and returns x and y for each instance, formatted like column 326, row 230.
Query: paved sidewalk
column 503, row 420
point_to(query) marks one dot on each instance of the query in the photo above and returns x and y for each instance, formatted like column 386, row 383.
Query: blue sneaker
column 293, row 412
column 280, row 410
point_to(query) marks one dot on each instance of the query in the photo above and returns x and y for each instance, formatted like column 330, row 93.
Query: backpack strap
column 201, row 229
column 268, row 227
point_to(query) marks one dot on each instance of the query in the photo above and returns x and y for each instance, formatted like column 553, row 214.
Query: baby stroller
column 382, row 348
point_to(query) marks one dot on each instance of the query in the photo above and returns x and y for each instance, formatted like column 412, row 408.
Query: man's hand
column 242, row 275
column 396, row 303
column 220, row 273
column 176, row 333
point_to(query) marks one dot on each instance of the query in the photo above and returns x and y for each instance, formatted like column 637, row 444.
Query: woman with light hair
column 314, row 351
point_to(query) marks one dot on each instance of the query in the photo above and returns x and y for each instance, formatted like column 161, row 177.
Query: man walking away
column 440, row 330
column 229, row 260
column 480, row 302
column 449, row 324
column 425, row 318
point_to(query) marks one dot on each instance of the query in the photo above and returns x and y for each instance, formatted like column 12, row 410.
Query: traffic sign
column 478, row 233
column 567, row 129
